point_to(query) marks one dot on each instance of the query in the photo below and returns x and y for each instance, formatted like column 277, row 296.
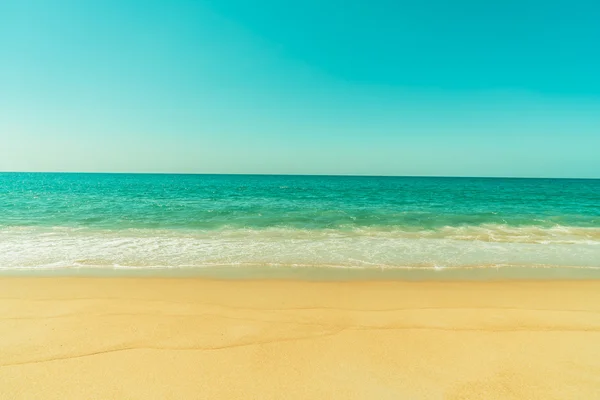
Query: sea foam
column 489, row 246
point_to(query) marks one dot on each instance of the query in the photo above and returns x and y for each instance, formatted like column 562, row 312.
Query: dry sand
column 147, row 338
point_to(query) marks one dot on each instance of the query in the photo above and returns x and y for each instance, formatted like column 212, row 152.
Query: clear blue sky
column 467, row 88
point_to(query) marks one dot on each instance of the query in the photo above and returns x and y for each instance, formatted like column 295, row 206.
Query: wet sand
column 190, row 338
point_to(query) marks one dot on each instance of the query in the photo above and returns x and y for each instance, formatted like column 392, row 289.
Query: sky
column 443, row 88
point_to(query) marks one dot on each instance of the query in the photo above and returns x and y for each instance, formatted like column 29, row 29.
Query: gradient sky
column 465, row 88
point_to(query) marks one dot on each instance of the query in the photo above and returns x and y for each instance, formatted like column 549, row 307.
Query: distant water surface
column 137, row 221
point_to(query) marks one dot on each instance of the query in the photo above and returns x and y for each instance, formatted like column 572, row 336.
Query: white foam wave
column 450, row 247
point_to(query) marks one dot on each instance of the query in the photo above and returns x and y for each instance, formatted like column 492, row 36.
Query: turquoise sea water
column 131, row 221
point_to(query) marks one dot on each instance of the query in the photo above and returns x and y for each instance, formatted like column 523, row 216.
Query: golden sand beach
column 176, row 338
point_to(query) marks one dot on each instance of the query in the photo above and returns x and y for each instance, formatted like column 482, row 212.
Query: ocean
column 328, row 226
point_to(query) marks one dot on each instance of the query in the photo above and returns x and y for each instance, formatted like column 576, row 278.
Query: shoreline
column 324, row 274
column 162, row 338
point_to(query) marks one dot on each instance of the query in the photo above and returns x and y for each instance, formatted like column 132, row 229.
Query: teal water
column 135, row 221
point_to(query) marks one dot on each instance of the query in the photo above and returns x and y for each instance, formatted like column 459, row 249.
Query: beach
column 218, row 200
column 191, row 338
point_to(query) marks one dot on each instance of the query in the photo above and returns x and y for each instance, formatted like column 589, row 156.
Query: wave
column 557, row 234
column 489, row 245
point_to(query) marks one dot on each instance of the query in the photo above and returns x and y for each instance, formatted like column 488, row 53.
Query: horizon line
column 292, row 174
